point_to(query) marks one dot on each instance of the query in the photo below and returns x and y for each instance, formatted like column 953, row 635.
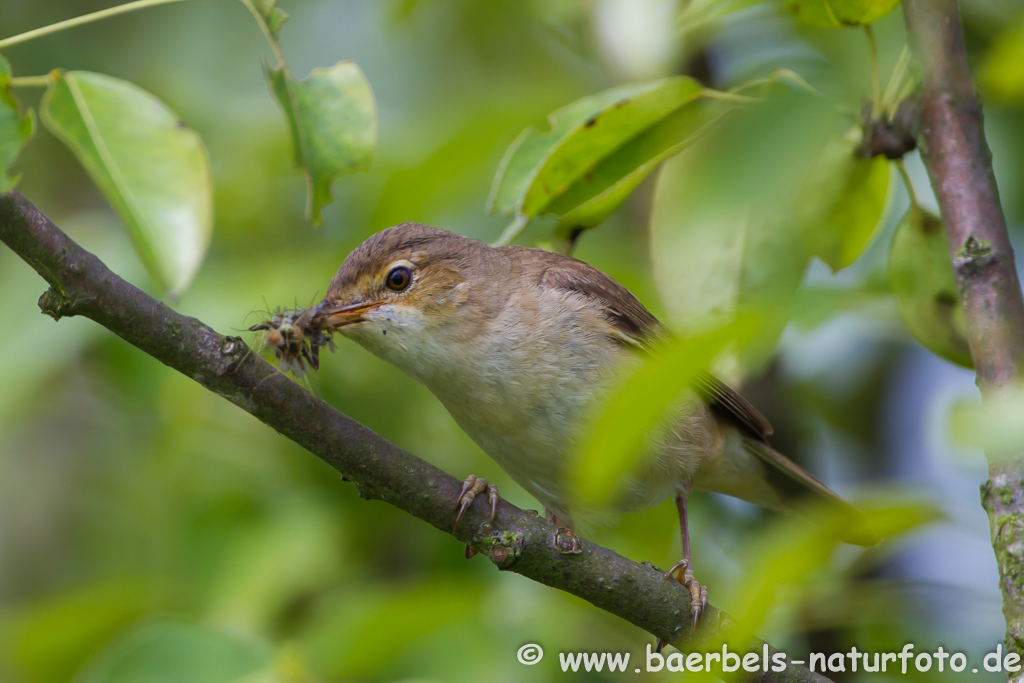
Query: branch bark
column 520, row 541
column 952, row 141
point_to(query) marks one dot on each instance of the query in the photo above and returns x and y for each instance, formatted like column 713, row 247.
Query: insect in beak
column 340, row 316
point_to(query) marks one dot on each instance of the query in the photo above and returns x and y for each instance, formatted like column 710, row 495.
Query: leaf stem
column 876, row 79
column 84, row 19
column 31, row 81
column 906, row 181
column 278, row 54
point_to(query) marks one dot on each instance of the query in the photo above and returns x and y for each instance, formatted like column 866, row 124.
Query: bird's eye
column 398, row 278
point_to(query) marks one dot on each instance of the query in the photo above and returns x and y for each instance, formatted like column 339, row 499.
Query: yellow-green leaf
column 152, row 168
column 15, row 128
column 834, row 13
column 847, row 197
column 332, row 117
column 922, row 280
column 595, row 152
column 1001, row 73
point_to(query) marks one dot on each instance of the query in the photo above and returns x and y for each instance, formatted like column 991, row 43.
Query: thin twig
column 79, row 21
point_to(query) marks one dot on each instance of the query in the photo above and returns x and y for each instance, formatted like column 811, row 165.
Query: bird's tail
column 801, row 491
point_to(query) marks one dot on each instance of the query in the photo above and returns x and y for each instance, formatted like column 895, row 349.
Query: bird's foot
column 470, row 489
column 682, row 572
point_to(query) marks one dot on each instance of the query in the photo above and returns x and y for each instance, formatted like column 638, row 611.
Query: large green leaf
column 724, row 233
column 153, row 169
column 923, row 282
column 333, row 122
column 595, row 152
column 175, row 652
column 15, row 128
column 834, row 13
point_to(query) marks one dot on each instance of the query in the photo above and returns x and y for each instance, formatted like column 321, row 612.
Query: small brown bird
column 517, row 343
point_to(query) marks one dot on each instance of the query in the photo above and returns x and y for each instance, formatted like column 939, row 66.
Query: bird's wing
column 633, row 325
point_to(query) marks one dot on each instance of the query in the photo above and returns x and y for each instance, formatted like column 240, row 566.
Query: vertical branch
column 952, row 141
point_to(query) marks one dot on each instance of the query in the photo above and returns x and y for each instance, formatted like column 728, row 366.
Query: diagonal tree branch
column 952, row 141
column 520, row 541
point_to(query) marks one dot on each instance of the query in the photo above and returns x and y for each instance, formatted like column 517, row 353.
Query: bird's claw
column 470, row 488
column 683, row 573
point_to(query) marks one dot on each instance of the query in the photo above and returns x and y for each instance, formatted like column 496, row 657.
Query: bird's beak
column 340, row 316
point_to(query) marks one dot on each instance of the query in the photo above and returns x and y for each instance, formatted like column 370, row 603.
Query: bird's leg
column 470, row 488
column 682, row 571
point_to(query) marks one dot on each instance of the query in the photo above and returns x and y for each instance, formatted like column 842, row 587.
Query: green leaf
column 153, row 169
column 173, row 652
column 15, row 128
column 564, row 170
column 593, row 197
column 922, row 280
column 834, row 13
column 333, row 122
column 847, row 197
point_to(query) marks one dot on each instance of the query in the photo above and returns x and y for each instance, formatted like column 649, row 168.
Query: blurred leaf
column 698, row 13
column 815, row 305
column 333, row 121
column 723, row 233
column 174, row 652
column 15, row 128
column 623, row 427
column 346, row 643
column 1001, row 73
column 793, row 548
column 274, row 564
column 922, row 280
column 847, row 197
column 834, row 13
column 541, row 167
column 153, row 169
column 994, row 425
column 50, row 638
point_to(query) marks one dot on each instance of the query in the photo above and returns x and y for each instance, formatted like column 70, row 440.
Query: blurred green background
column 142, row 517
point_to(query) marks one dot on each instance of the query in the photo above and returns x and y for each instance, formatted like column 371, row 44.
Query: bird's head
column 404, row 294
